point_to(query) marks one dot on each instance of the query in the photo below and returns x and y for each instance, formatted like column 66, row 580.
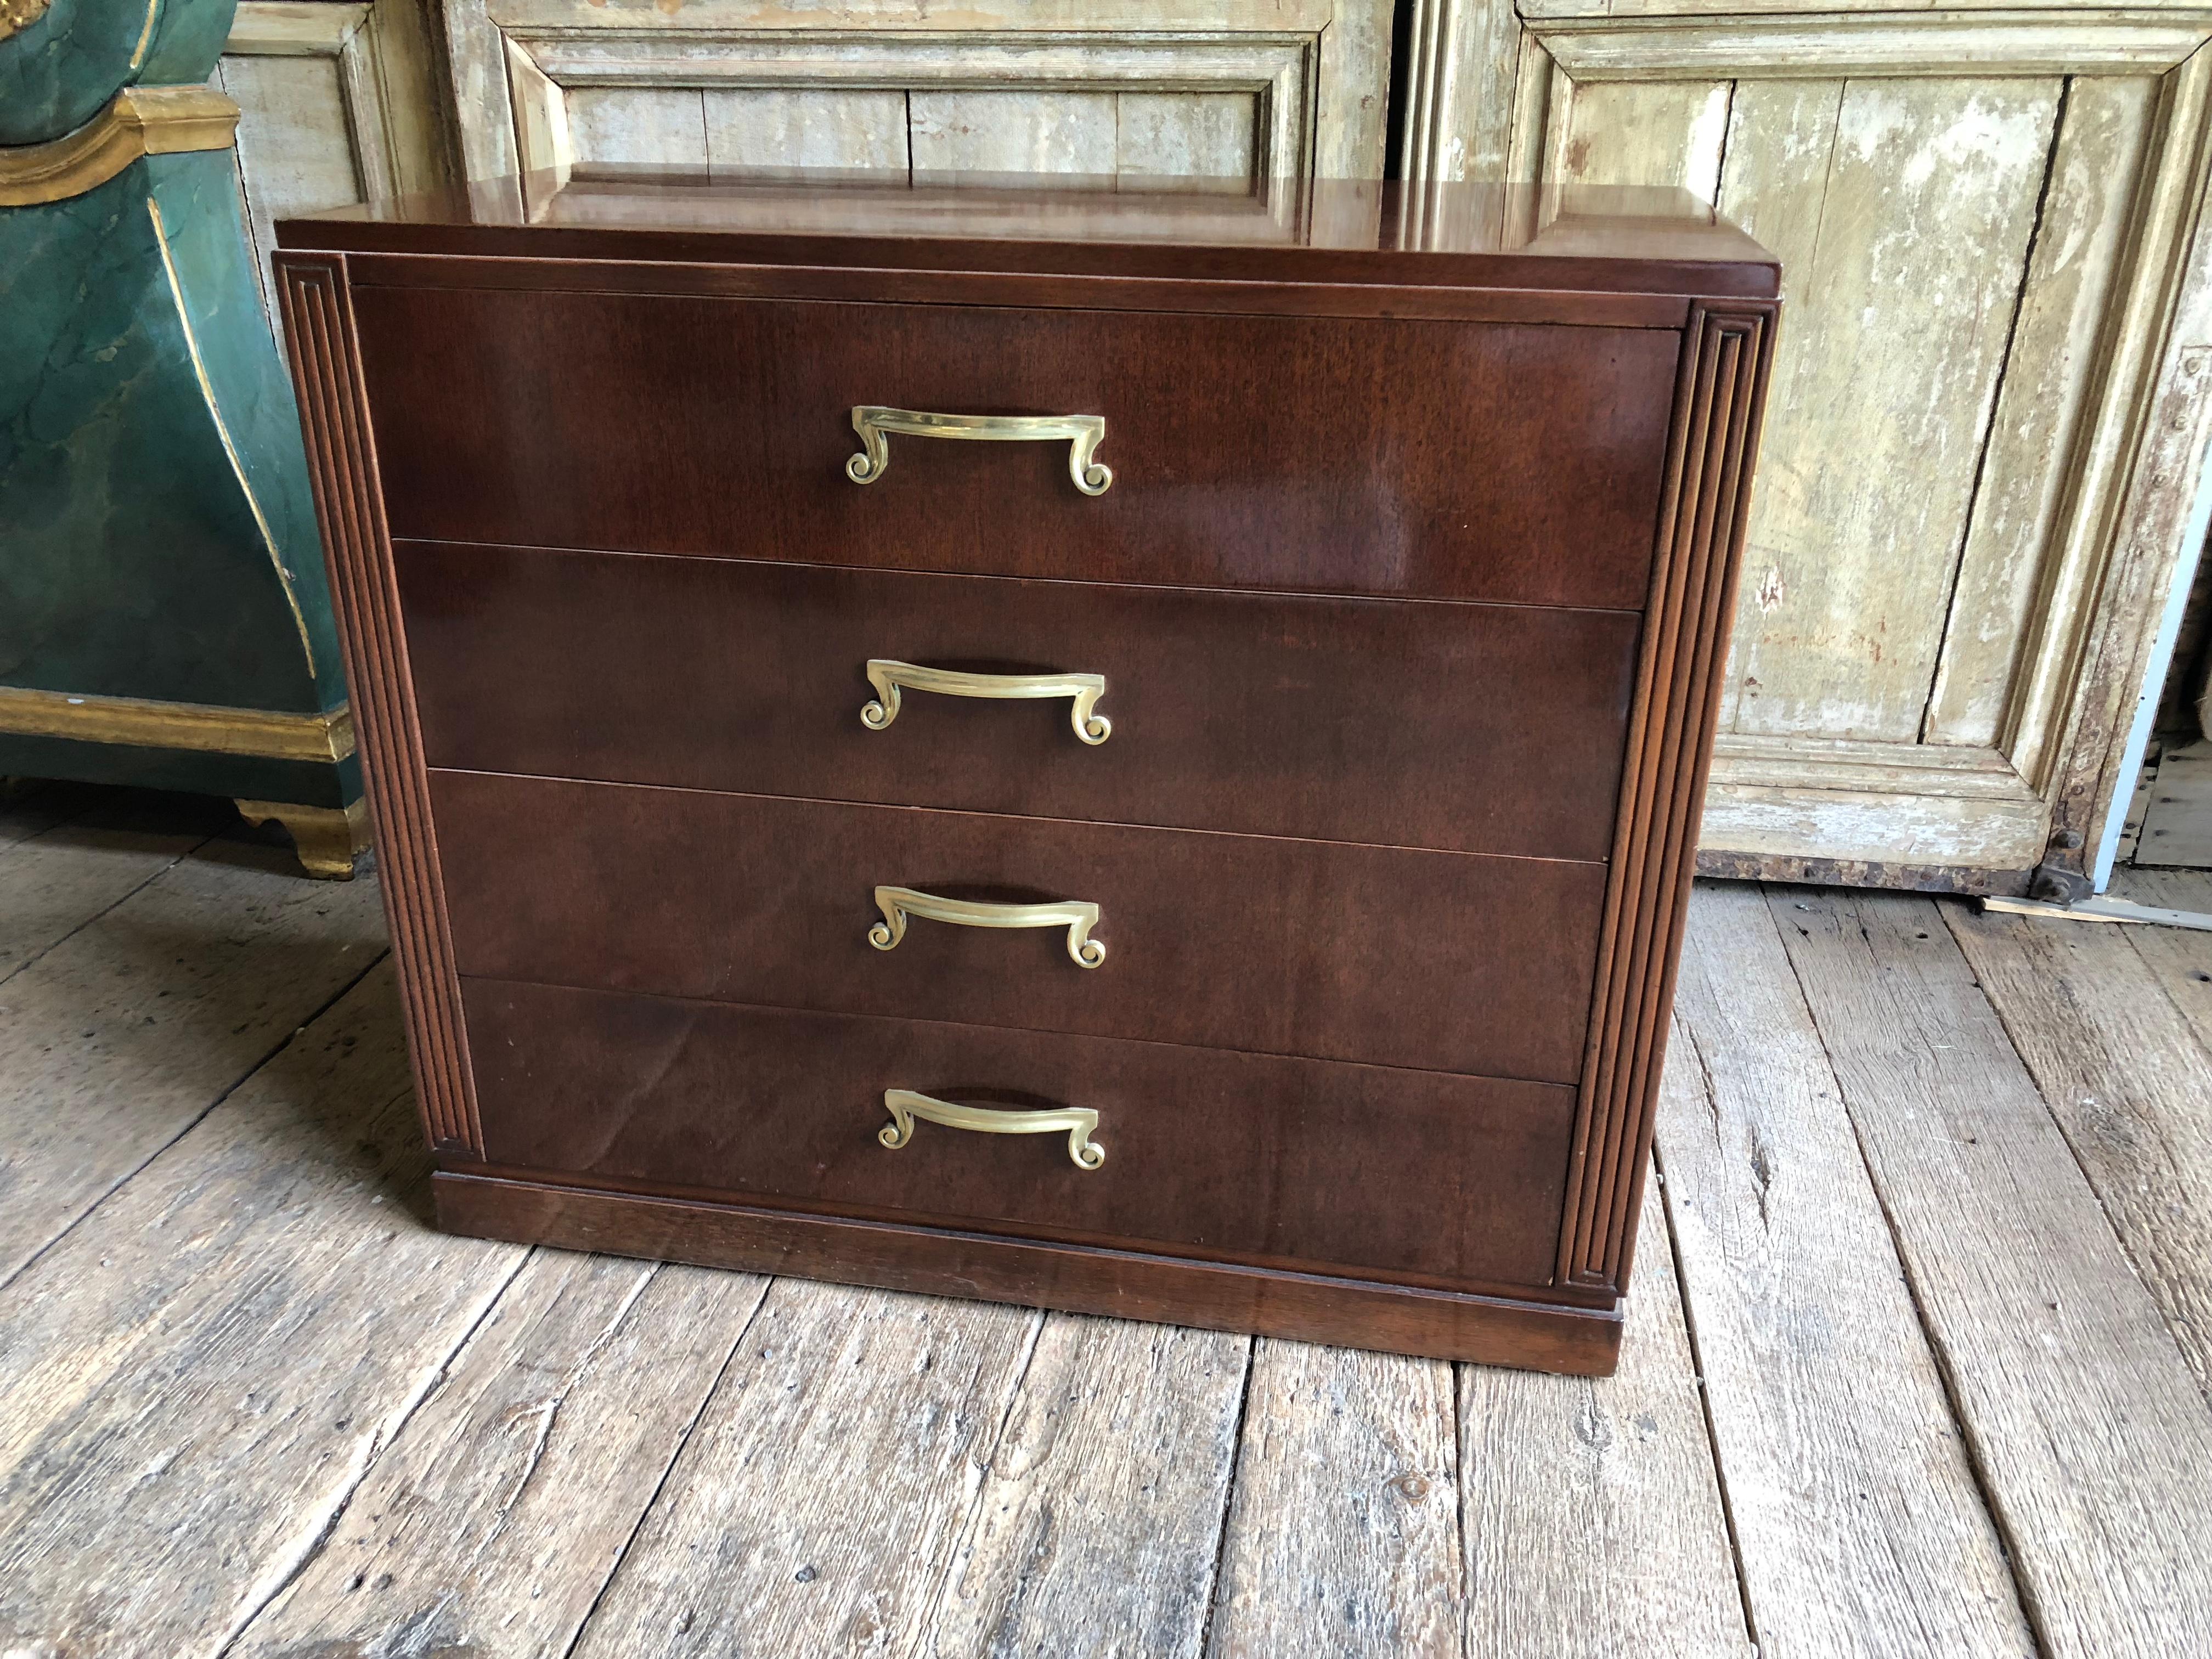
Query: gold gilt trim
column 20, row 15
column 223, row 432
column 328, row 839
column 262, row 734
column 145, row 36
column 139, row 121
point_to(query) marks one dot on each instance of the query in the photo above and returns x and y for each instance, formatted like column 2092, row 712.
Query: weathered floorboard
column 192, row 1382
column 115, row 1040
column 2130, row 1086
column 1857, row 1523
column 55, row 882
column 1591, row 1519
column 490, row 1523
column 1097, row 1525
column 2094, row 1445
column 29, row 807
column 1344, row 1535
column 2180, row 956
column 818, row 1503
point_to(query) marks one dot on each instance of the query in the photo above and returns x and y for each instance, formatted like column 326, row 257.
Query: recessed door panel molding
column 1247, row 90
column 338, row 103
column 1991, row 394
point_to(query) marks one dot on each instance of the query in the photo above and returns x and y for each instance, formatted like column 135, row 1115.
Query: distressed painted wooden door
column 1253, row 90
column 1990, row 400
column 338, row 101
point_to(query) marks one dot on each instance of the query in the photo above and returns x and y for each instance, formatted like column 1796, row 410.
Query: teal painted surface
column 135, row 565
column 157, row 535
column 61, row 71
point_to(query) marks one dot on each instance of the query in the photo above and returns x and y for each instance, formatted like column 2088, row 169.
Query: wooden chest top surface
column 1355, row 231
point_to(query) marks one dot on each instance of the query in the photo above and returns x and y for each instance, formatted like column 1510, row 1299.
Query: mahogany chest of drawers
column 1138, row 753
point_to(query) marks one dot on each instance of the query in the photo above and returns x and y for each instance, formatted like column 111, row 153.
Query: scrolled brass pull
column 1079, row 916
column 1084, row 433
column 889, row 678
column 905, row 1106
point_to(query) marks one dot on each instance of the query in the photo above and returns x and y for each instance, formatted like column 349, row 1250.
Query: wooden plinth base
column 1310, row 1308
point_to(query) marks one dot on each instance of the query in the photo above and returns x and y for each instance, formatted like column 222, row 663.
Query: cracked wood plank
column 1590, row 1513
column 1902, row 211
column 492, row 1521
column 2093, row 1443
column 818, row 1502
column 193, row 1382
column 2015, row 576
column 118, row 1038
column 1344, row 1536
column 2127, row 1082
column 1098, row 1520
column 1856, row 1518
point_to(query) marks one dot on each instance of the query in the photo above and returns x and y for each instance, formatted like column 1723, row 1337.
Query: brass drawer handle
column 1084, row 433
column 904, row 1106
column 1079, row 916
column 889, row 678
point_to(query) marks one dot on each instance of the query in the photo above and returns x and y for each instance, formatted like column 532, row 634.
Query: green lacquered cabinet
column 165, row 618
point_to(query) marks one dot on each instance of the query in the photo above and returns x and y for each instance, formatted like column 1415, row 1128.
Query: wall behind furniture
column 338, row 101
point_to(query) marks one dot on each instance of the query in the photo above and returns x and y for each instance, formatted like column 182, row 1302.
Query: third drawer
column 1451, row 962
column 1463, row 727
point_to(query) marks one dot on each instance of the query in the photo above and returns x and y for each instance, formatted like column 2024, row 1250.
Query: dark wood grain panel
column 1251, row 1158
column 1496, row 461
column 1127, row 1284
column 1470, row 728
column 1444, row 961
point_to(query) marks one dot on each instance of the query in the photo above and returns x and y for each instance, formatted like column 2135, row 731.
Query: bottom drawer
column 1417, row 1176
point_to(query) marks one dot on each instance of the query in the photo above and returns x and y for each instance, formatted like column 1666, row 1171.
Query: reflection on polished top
column 1336, row 230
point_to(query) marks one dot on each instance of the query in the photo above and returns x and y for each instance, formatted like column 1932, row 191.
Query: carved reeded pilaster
column 1703, row 507
column 349, row 503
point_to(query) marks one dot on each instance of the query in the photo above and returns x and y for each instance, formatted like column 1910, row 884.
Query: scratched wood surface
column 1862, row 1529
column 2015, row 1262
column 2129, row 1081
column 253, row 1407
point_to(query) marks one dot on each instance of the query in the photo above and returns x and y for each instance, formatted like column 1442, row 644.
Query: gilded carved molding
column 140, row 121
column 20, row 15
column 264, row 734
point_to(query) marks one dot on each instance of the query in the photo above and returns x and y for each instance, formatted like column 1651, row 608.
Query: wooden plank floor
column 1919, row 1357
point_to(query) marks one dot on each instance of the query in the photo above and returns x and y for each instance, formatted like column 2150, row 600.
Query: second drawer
column 1466, row 727
column 1450, row 962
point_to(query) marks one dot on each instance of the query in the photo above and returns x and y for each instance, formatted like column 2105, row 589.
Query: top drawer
column 1516, row 462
